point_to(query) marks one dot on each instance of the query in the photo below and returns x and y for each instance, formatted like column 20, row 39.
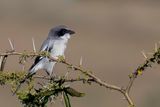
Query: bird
column 55, row 44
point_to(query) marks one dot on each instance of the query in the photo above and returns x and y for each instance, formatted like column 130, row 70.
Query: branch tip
column 81, row 61
column 144, row 55
column 33, row 44
column 11, row 44
column 156, row 47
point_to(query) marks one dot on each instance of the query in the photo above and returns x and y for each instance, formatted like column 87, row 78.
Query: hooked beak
column 71, row 32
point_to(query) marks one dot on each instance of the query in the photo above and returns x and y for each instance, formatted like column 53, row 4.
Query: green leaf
column 74, row 93
column 66, row 99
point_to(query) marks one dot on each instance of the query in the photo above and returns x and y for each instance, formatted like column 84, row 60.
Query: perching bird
column 55, row 44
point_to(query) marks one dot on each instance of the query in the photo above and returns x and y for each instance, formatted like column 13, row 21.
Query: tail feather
column 40, row 63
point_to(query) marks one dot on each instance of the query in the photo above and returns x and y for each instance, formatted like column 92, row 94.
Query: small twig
column 65, row 80
column 11, row 44
column 66, row 74
column 96, row 79
column 33, row 43
column 42, row 77
column 145, row 56
column 129, row 100
column 81, row 61
column 130, row 84
column 3, row 60
column 23, row 67
column 156, row 47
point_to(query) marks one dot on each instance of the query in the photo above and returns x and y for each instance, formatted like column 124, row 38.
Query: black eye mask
column 64, row 31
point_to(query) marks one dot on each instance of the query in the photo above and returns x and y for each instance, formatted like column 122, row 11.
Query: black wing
column 46, row 46
column 37, row 60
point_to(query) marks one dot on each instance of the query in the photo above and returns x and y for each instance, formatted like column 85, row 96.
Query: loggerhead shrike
column 55, row 44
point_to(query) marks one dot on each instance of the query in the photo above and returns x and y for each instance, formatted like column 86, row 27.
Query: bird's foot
column 52, row 78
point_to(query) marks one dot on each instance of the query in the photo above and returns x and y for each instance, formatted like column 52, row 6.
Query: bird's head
column 61, row 32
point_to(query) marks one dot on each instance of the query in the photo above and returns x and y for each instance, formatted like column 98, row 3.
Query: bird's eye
column 61, row 32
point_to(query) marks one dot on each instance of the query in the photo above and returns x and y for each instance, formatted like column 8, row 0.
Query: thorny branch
column 92, row 78
column 155, row 58
column 65, row 80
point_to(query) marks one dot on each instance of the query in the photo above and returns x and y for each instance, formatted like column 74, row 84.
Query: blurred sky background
column 110, row 35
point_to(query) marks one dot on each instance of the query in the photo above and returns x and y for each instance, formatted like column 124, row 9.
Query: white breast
column 59, row 47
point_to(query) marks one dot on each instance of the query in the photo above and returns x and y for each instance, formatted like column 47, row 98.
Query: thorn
column 156, row 47
column 23, row 67
column 11, row 44
column 33, row 43
column 66, row 75
column 1, row 61
column 144, row 54
column 81, row 61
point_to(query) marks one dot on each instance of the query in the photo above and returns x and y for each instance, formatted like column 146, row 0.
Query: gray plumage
column 55, row 44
